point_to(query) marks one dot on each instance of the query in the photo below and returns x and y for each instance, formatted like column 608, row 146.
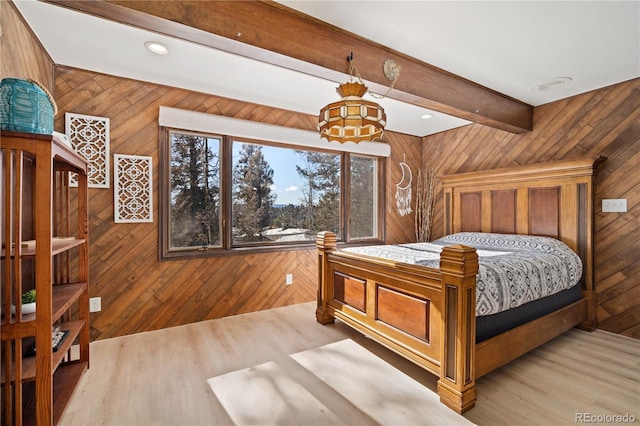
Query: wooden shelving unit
column 44, row 246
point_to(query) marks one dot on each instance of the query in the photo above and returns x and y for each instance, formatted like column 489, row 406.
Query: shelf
column 61, row 153
column 58, row 245
column 40, row 205
column 29, row 363
column 64, row 382
column 63, row 296
column 74, row 327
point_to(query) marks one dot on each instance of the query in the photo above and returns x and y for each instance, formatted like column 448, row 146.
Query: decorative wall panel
column 90, row 137
column 603, row 122
column 132, row 189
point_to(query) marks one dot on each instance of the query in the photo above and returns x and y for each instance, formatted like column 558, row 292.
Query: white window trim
column 210, row 123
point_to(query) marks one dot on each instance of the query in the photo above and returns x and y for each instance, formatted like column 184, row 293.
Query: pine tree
column 195, row 191
column 362, row 201
column 321, row 172
column 253, row 201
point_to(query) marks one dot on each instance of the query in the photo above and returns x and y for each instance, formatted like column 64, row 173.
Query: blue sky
column 287, row 184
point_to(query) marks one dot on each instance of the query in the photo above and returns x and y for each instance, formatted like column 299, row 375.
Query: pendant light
column 352, row 118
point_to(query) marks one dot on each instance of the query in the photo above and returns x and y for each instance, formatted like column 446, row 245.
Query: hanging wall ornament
column 403, row 190
column 89, row 137
column 133, row 189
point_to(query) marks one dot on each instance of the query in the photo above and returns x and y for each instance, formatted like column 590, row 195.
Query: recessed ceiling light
column 427, row 116
column 552, row 84
column 156, row 47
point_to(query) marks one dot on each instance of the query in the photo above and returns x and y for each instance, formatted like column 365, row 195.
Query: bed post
column 457, row 384
column 325, row 241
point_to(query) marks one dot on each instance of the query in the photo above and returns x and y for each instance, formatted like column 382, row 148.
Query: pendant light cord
column 390, row 69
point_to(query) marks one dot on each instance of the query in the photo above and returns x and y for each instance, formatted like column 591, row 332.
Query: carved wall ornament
column 133, row 189
column 90, row 138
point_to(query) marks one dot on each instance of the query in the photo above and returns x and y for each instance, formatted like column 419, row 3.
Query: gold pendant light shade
column 352, row 119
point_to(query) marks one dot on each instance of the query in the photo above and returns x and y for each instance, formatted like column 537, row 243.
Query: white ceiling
column 508, row 46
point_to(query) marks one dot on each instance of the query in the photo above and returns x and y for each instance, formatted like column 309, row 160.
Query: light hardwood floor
column 271, row 367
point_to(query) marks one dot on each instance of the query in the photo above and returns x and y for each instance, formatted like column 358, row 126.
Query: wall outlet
column 616, row 205
column 95, row 304
column 289, row 279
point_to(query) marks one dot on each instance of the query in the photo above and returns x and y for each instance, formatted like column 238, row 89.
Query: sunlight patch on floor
column 273, row 393
column 377, row 388
column 268, row 395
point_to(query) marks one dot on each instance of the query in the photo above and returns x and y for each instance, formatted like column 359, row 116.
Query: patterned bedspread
column 514, row 269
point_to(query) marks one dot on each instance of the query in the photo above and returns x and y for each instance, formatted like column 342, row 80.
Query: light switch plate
column 614, row 205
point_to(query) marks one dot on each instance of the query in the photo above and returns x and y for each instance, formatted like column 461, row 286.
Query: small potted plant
column 28, row 302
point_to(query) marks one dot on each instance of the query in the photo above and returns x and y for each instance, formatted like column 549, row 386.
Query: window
column 363, row 219
column 194, row 192
column 225, row 194
column 283, row 195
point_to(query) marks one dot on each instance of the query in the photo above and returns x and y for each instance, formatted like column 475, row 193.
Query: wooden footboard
column 426, row 315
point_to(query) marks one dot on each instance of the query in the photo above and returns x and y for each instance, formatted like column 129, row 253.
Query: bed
column 431, row 307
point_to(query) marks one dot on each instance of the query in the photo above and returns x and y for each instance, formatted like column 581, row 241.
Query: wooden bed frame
column 428, row 315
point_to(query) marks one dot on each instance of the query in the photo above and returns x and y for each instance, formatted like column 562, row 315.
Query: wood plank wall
column 603, row 122
column 139, row 292
column 22, row 54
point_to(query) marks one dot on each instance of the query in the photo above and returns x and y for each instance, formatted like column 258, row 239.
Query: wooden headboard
column 552, row 199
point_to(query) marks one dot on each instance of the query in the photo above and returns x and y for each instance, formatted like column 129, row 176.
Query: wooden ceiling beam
column 270, row 32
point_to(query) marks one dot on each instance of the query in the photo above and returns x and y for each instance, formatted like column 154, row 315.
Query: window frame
column 226, row 199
